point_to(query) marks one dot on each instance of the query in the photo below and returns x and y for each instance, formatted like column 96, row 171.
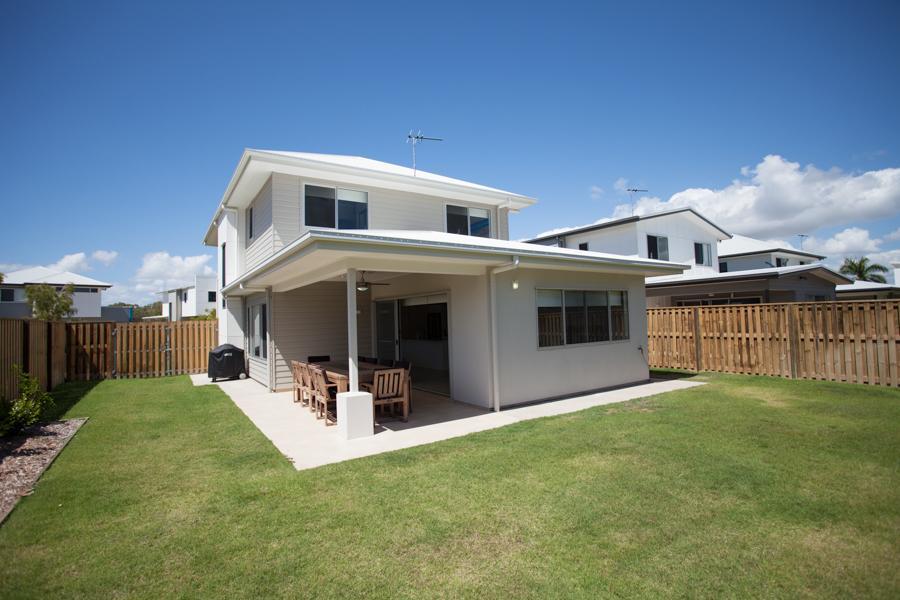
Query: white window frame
column 537, row 332
column 657, row 235
column 490, row 212
column 337, row 202
column 262, row 308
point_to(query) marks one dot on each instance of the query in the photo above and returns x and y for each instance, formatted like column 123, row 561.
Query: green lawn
column 743, row 487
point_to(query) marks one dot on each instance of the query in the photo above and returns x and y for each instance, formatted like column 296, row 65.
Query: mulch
column 23, row 458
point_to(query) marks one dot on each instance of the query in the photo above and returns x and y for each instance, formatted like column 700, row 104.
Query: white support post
column 352, row 349
column 355, row 412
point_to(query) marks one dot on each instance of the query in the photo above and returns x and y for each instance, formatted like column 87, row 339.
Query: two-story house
column 194, row 300
column 685, row 236
column 742, row 253
column 346, row 256
column 86, row 296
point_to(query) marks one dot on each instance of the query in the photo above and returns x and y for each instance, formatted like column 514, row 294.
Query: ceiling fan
column 363, row 285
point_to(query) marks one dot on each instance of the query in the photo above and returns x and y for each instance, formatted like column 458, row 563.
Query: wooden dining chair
column 388, row 389
column 308, row 385
column 326, row 396
column 297, row 380
column 318, row 359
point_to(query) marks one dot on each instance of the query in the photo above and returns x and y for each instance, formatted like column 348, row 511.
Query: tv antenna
column 414, row 139
column 802, row 237
column 631, row 192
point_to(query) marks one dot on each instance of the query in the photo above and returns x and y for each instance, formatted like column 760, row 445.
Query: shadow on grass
column 65, row 396
column 671, row 374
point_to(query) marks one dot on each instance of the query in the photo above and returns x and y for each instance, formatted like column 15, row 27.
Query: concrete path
column 308, row 443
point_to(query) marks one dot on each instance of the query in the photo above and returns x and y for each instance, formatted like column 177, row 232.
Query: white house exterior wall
column 530, row 373
column 682, row 232
column 616, row 240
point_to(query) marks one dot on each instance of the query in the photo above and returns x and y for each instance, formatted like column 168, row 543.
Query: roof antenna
column 631, row 192
column 802, row 237
column 415, row 138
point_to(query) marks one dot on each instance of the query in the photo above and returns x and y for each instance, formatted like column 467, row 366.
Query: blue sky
column 122, row 122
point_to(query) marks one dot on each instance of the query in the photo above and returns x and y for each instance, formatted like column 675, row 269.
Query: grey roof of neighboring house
column 767, row 273
column 616, row 222
column 741, row 245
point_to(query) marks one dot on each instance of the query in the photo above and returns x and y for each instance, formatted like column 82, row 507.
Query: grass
column 743, row 487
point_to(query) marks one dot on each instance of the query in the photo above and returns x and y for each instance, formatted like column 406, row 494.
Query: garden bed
column 24, row 457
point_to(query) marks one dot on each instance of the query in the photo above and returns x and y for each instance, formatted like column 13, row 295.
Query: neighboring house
column 86, row 297
column 682, row 235
column 193, row 300
column 685, row 236
column 871, row 290
column 344, row 256
column 742, row 253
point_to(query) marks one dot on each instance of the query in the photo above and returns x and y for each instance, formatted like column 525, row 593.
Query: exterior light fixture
column 515, row 284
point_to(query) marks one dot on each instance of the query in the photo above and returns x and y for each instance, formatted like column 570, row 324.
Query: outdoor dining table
column 339, row 372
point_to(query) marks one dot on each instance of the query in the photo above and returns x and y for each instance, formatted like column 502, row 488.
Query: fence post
column 793, row 338
column 114, row 336
column 168, row 350
column 698, row 344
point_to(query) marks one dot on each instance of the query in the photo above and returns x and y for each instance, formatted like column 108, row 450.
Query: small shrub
column 28, row 407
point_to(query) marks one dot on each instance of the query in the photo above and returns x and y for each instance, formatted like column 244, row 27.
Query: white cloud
column 781, row 198
column 160, row 271
column 850, row 241
column 596, row 192
column 894, row 235
column 76, row 263
column 106, row 257
column 10, row 267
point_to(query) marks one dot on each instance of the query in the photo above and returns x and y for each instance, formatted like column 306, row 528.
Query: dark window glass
column 549, row 315
column 479, row 222
column 7, row 295
column 210, row 296
column 576, row 318
column 698, row 254
column 319, row 206
column 353, row 215
column 457, row 220
column 723, row 267
column 781, row 262
column 583, row 246
column 264, row 332
column 223, row 264
column 597, row 316
column 250, row 223
column 657, row 247
column 618, row 308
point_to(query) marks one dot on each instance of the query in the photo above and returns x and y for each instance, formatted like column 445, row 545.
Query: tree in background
column 863, row 270
column 49, row 305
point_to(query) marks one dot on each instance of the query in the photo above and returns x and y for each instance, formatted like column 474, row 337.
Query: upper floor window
column 223, row 264
column 702, row 254
column 7, row 295
column 250, row 223
column 583, row 246
column 466, row 220
column 723, row 267
column 658, row 247
column 184, row 296
column 210, row 296
column 781, row 262
column 327, row 207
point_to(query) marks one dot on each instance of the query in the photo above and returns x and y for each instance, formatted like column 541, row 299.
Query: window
column 702, row 254
column 581, row 316
column 781, row 262
column 184, row 296
column 210, row 296
column 658, row 247
column 250, row 223
column 257, row 333
column 223, row 264
column 466, row 220
column 7, row 295
column 325, row 207
column 723, row 267
column 583, row 246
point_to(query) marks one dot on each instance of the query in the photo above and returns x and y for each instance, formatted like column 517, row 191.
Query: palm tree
column 863, row 270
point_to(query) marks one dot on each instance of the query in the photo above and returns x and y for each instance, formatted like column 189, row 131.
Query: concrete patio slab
column 308, row 443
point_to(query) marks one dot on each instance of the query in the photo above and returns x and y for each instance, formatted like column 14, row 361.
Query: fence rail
column 855, row 342
column 57, row 352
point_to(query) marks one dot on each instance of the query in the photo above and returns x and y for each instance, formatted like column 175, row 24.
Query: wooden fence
column 77, row 351
column 856, row 342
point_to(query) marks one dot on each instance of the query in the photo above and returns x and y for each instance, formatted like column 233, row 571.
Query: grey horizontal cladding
column 286, row 197
column 400, row 210
column 312, row 320
column 259, row 370
column 262, row 246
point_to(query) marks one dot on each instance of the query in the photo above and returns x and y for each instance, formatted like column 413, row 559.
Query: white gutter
column 495, row 359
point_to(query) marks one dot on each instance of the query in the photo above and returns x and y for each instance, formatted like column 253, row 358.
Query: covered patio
column 308, row 444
